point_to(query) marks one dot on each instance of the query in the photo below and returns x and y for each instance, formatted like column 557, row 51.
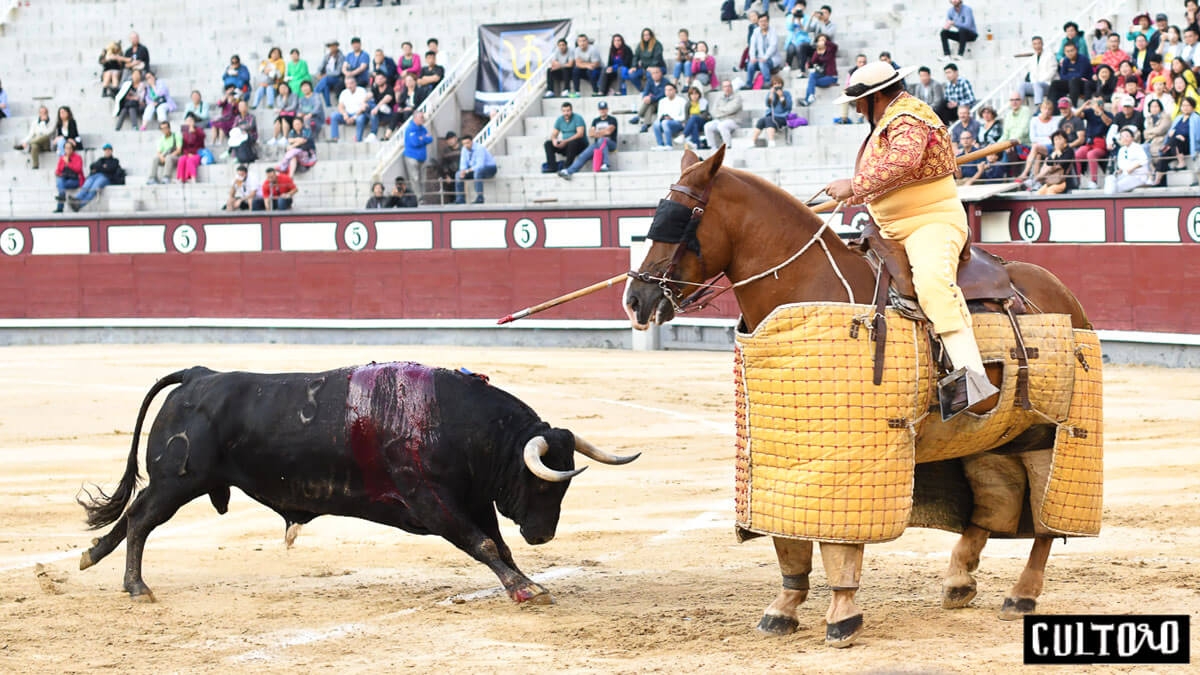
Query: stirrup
column 960, row 390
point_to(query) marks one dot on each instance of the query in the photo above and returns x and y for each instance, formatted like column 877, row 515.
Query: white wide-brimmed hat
column 871, row 78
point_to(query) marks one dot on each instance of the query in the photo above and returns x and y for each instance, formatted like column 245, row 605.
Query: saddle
column 984, row 282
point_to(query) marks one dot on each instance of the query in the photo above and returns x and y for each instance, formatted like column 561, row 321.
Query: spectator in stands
column 222, row 122
column 959, row 27
column 189, row 154
column 276, row 193
column 821, row 23
column 381, row 109
column 558, row 77
column 198, row 109
column 1074, row 76
column 243, row 137
column 475, row 163
column 416, row 142
column 1191, row 12
column 1142, row 26
column 166, row 155
column 1016, row 119
column 68, row 174
column 1096, row 121
column 158, row 102
column 822, row 67
column 357, row 64
column 354, row 106
column 449, row 153
column 330, row 72
column 568, row 137
column 1057, row 175
column 236, row 75
column 102, row 173
column 964, row 145
column 886, row 57
column 1040, row 68
column 1156, row 71
column 697, row 115
column 239, row 192
column 959, row 92
column 859, row 61
column 137, row 57
column 603, row 133
column 989, row 170
column 990, row 127
column 1133, row 166
column 310, row 108
column 1132, row 91
column 654, row 91
column 128, row 102
column 1113, row 55
column 431, row 75
column 271, row 72
column 1190, row 51
column 726, row 110
column 1162, row 23
column 1072, row 126
column 796, row 40
column 1099, row 42
column 378, row 199
column 288, row 106
column 65, row 129
column 1074, row 37
column 1158, row 128
column 300, row 5
column 301, row 152
column 1040, row 130
column 1125, row 73
column 296, row 71
column 1181, row 68
column 401, row 198
column 764, row 53
column 432, row 45
column 684, row 50
column 1140, row 57
column 1128, row 115
column 928, row 90
column 586, row 62
column 111, row 67
column 965, row 124
column 779, row 104
column 1105, row 83
column 702, row 70
column 1158, row 92
column 1170, row 44
column 408, row 62
column 1184, row 139
column 647, row 54
column 403, row 97
column 382, row 64
column 620, row 57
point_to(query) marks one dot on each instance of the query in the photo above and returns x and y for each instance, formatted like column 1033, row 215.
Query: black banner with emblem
column 510, row 54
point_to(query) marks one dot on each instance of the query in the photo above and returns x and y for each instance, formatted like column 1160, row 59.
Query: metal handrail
column 394, row 147
column 514, row 110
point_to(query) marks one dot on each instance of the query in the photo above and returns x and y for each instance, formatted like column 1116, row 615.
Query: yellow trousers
column 933, row 250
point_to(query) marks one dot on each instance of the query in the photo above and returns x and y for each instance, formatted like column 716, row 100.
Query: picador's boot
column 968, row 384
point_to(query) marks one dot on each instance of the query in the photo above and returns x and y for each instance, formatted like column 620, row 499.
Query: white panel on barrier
column 1077, row 225
column 629, row 227
column 232, row 237
column 321, row 236
column 137, row 239
column 993, row 227
column 1152, row 224
column 403, row 235
column 484, row 233
column 572, row 232
column 61, row 240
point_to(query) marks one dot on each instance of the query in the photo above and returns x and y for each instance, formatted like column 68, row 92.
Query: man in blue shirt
column 416, row 138
column 960, row 27
column 358, row 64
column 653, row 92
column 475, row 163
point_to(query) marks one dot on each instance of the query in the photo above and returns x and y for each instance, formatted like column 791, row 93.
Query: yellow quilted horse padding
column 825, row 454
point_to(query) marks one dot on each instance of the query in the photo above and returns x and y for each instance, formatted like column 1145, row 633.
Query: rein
column 703, row 296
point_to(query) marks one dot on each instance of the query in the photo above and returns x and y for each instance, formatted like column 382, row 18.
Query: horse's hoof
column 85, row 560
column 777, row 624
column 843, row 633
column 958, row 591
column 1013, row 609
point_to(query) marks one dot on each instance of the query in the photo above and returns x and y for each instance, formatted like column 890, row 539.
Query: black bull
column 427, row 450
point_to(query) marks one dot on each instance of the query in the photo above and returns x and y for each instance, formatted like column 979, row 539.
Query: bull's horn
column 588, row 450
column 534, row 449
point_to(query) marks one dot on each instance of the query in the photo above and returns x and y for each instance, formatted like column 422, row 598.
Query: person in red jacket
column 277, row 192
column 69, row 173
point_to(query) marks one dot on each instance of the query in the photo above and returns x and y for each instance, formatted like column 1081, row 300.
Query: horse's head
column 682, row 253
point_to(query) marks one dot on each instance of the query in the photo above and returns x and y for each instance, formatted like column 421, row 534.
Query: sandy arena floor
column 645, row 568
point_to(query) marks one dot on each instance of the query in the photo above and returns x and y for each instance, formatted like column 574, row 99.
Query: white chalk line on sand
column 723, row 428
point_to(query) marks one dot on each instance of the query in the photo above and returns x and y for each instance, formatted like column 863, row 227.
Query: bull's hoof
column 843, row 633
column 533, row 594
column 1015, row 608
column 146, row 596
column 958, row 591
column 85, row 560
column 777, row 624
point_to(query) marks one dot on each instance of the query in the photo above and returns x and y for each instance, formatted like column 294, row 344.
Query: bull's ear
column 689, row 158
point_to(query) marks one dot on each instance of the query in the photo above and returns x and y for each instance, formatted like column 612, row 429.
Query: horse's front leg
column 843, row 570
column 795, row 562
column 958, row 586
column 1022, row 597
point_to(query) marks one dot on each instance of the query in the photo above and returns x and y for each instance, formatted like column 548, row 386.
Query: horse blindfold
column 674, row 223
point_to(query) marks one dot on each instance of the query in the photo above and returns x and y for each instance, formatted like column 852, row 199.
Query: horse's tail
column 104, row 509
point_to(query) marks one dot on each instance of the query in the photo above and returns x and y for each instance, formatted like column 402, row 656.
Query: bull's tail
column 104, row 509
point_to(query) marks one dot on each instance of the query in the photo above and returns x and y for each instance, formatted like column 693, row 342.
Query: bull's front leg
column 482, row 541
column 795, row 562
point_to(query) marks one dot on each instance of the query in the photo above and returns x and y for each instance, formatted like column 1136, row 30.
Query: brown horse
column 745, row 225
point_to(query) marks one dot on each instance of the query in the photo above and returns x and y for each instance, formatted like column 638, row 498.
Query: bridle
column 685, row 238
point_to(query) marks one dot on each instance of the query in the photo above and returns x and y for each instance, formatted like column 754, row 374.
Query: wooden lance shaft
column 820, row 208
